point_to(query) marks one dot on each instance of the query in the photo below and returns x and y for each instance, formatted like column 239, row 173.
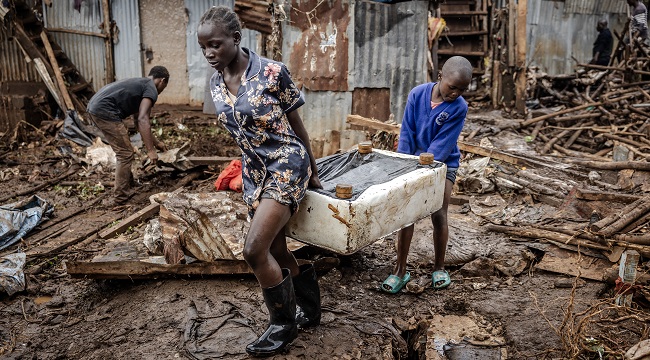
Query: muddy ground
column 57, row 317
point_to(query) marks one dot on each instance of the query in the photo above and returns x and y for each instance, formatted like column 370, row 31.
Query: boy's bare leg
column 441, row 229
column 282, row 255
column 270, row 217
column 404, row 237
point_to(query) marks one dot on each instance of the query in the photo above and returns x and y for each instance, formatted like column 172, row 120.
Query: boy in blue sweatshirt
column 433, row 119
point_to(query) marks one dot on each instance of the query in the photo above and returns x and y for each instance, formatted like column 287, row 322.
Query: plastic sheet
column 78, row 132
column 19, row 218
column 12, row 277
column 361, row 171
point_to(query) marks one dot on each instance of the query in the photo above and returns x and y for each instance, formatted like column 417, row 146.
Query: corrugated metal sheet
column 12, row 61
column 592, row 7
column 555, row 36
column 390, row 48
column 86, row 52
column 319, row 44
column 384, row 52
column 127, row 49
column 197, row 67
column 325, row 110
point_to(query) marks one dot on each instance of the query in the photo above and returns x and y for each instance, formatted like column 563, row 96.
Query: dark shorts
column 274, row 193
column 451, row 174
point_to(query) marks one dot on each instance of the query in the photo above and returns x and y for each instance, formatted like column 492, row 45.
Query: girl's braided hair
column 224, row 16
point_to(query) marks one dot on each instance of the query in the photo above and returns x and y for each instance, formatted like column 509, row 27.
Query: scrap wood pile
column 597, row 223
column 602, row 106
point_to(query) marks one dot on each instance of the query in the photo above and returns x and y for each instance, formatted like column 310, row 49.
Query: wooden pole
column 108, row 42
column 57, row 71
column 512, row 13
column 520, row 84
column 566, row 111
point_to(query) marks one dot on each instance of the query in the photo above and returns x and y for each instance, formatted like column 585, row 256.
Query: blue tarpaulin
column 19, row 218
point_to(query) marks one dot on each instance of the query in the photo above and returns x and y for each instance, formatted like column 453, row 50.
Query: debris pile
column 603, row 106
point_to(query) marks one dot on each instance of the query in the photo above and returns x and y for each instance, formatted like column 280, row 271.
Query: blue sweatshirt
column 429, row 130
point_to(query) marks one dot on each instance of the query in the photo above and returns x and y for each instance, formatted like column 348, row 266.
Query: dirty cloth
column 19, row 218
column 230, row 178
column 78, row 132
column 12, row 277
column 216, row 333
column 361, row 171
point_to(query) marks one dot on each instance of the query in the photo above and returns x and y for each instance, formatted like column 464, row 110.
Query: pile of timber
column 627, row 228
column 602, row 106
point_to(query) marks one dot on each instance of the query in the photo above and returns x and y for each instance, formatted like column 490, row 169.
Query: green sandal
column 393, row 284
column 440, row 279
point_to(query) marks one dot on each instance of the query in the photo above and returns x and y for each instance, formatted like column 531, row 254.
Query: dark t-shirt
column 118, row 100
column 603, row 46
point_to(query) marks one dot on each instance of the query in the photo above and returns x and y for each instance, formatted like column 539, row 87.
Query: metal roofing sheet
column 555, row 37
column 595, row 7
column 390, row 48
column 127, row 43
column 85, row 51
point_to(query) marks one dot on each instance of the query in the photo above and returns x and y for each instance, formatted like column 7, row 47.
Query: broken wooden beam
column 557, row 113
column 63, row 89
column 532, row 185
column 617, row 214
column 606, row 196
column 625, row 219
column 211, row 160
column 146, row 270
column 492, row 153
column 545, row 234
column 142, row 214
column 615, row 165
column 373, row 124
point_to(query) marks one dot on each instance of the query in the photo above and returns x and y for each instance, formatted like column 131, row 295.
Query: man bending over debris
column 433, row 119
column 115, row 102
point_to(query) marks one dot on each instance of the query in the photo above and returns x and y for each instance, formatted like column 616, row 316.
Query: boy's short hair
column 159, row 72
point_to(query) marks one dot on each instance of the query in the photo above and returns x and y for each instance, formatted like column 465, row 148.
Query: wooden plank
column 211, row 160
column 373, row 124
column 521, row 47
column 512, row 20
column 558, row 113
column 493, row 153
column 570, row 263
column 142, row 214
column 78, row 32
column 146, row 270
column 606, row 196
column 108, row 42
column 57, row 71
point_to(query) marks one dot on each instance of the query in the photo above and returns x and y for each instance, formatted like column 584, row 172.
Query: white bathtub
column 345, row 226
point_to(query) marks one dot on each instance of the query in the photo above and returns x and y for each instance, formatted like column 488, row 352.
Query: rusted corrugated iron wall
column 390, row 49
column 335, row 47
column 87, row 52
column 555, row 36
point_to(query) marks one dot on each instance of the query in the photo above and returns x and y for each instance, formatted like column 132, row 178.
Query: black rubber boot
column 307, row 297
column 282, row 330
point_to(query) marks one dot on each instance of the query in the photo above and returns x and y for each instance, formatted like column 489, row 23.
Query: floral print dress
column 275, row 162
